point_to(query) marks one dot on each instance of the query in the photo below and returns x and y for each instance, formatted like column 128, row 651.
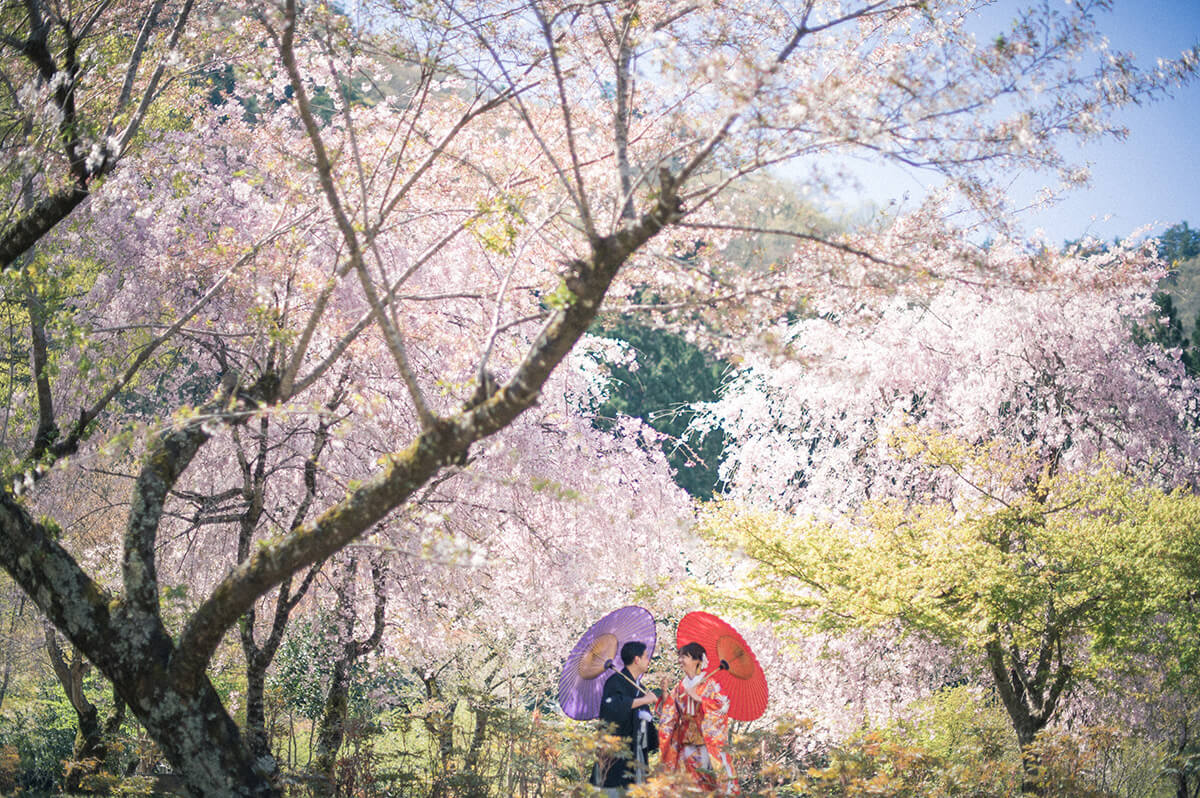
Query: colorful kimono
column 693, row 734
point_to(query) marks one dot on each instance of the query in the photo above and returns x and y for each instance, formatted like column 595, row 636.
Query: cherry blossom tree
column 1045, row 591
column 980, row 416
column 1057, row 367
column 445, row 232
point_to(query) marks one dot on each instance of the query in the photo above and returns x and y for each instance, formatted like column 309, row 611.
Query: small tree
column 91, row 741
column 1044, row 590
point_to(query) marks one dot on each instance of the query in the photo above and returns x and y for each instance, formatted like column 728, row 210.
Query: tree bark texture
column 162, row 680
column 337, row 699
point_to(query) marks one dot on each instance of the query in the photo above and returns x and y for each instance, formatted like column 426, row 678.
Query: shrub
column 43, row 735
column 1098, row 762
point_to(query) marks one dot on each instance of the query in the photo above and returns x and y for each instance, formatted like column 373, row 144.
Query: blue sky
column 1153, row 177
column 1150, row 180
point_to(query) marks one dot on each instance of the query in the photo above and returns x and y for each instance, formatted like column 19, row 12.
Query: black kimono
column 616, row 707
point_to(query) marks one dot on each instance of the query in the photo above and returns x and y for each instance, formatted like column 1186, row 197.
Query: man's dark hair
column 693, row 650
column 632, row 650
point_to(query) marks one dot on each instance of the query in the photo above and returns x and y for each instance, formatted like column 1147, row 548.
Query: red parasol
column 734, row 666
column 596, row 658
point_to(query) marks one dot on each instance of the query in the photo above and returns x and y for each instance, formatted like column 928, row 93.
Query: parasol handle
column 609, row 666
column 724, row 666
column 644, row 690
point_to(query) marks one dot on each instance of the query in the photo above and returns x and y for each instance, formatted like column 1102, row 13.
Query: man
column 625, row 705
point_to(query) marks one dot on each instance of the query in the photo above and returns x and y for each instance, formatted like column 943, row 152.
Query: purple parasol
column 596, row 657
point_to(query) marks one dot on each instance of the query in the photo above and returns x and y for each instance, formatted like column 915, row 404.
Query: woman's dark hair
column 693, row 650
column 632, row 650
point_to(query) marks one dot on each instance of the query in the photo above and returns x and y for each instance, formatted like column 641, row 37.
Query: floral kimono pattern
column 692, row 734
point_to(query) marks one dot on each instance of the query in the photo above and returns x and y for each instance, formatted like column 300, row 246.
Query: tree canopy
column 1046, row 591
column 351, row 252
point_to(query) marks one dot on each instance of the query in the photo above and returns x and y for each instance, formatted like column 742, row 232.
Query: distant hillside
column 1179, row 245
column 1183, row 286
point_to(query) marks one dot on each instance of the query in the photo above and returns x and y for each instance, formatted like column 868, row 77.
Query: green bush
column 970, row 733
column 42, row 734
column 1100, row 762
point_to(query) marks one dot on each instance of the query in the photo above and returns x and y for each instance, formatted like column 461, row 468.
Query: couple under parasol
column 693, row 722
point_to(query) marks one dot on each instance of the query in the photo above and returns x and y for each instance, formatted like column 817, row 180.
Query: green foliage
column 497, row 223
column 46, row 292
column 473, row 746
column 968, row 730
column 1083, row 554
column 39, row 734
column 1179, row 248
column 1166, row 329
column 670, row 375
column 956, row 742
column 1049, row 582
column 49, row 290
column 873, row 765
column 302, row 667
column 1178, row 243
column 910, row 762
column 40, row 730
column 10, row 768
column 1098, row 762
column 953, row 744
column 559, row 298
column 555, row 489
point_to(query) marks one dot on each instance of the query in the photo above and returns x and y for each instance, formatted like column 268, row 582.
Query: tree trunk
column 333, row 722
column 1019, row 699
column 337, row 699
column 1180, row 773
column 478, row 736
column 185, row 717
column 1031, row 761
column 256, row 717
column 259, row 657
column 198, row 738
column 90, row 748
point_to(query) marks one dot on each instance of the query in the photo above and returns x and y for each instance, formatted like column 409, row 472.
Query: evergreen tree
column 1179, row 243
column 668, row 376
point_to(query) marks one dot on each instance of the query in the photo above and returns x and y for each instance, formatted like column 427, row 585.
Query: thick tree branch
column 135, row 56
column 621, row 114
column 170, row 454
column 47, row 430
column 405, row 471
column 1016, row 708
column 30, row 226
column 364, row 647
column 151, row 91
column 51, row 577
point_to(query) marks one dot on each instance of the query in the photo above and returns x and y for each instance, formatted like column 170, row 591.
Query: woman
column 694, row 726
